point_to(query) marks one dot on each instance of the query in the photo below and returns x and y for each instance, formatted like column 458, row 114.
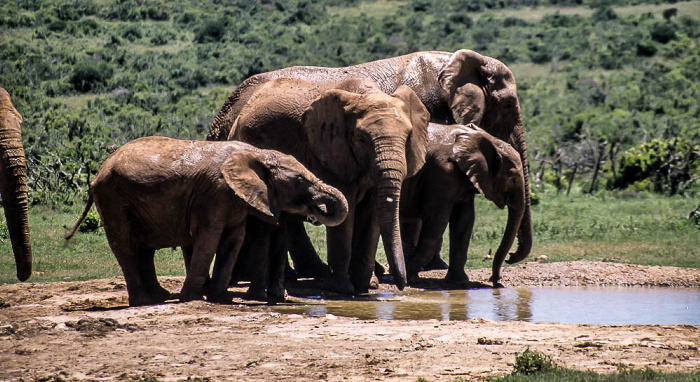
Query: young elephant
column 158, row 192
column 461, row 161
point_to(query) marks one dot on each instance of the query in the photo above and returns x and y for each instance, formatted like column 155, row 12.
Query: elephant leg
column 339, row 242
column 187, row 256
column 258, row 237
column 436, row 262
column 364, row 247
column 278, row 262
column 206, row 240
column 307, row 263
column 461, row 226
column 429, row 241
column 226, row 256
column 410, row 232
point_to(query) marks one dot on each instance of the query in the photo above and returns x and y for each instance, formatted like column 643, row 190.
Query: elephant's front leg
column 226, row 256
column 461, row 226
column 206, row 240
column 307, row 263
column 339, row 243
column 430, row 240
column 277, row 264
column 364, row 246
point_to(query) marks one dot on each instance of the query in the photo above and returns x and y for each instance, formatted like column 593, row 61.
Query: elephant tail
column 88, row 205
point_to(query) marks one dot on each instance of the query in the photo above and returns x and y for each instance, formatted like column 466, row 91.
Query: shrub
column 90, row 74
column 531, row 362
column 212, row 30
column 662, row 32
column 91, row 223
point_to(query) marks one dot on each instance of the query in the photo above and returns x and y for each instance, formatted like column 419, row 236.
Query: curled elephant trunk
column 14, row 194
column 516, row 209
column 330, row 208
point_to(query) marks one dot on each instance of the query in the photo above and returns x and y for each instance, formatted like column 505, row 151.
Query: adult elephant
column 461, row 162
column 461, row 87
column 13, row 185
column 356, row 138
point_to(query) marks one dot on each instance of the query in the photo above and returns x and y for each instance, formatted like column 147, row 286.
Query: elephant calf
column 158, row 192
column 461, row 161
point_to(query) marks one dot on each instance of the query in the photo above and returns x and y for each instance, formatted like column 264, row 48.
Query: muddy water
column 585, row 305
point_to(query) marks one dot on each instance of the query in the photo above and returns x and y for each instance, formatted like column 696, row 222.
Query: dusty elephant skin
column 461, row 161
column 158, row 192
column 356, row 138
column 13, row 185
column 460, row 87
column 84, row 331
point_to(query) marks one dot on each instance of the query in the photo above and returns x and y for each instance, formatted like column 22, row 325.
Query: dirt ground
column 86, row 331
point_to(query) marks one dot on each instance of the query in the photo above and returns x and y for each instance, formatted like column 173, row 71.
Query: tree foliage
column 90, row 75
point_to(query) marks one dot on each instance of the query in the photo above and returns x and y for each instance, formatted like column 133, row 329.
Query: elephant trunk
column 389, row 176
column 516, row 209
column 525, row 230
column 14, row 194
column 330, row 207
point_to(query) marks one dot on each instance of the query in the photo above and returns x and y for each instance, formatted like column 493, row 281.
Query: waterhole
column 581, row 305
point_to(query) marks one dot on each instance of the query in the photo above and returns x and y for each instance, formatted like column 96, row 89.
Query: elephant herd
column 394, row 149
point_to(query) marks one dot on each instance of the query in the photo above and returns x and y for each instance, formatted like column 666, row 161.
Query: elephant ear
column 417, row 143
column 464, row 78
column 478, row 157
column 329, row 133
column 246, row 174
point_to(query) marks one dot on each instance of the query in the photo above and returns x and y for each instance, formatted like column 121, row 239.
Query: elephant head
column 481, row 90
column 13, row 185
column 495, row 169
column 384, row 136
column 272, row 182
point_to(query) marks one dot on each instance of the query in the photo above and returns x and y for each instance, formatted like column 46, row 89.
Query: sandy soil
column 85, row 331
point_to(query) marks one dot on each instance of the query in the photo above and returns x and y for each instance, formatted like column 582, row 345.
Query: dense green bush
column 90, row 75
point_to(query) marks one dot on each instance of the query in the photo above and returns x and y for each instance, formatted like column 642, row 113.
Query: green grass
column 383, row 8
column 622, row 227
column 533, row 366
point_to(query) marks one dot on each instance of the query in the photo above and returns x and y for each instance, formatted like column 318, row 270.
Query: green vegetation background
column 609, row 93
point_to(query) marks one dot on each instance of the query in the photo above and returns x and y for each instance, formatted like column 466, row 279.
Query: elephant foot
column 379, row 270
column 222, row 297
column 458, row 279
column 436, row 263
column 290, row 273
column 412, row 278
column 339, row 284
column 496, row 282
column 189, row 293
column 145, row 299
column 276, row 294
column 312, row 270
column 256, row 293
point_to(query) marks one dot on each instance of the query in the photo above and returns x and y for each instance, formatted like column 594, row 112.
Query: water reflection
column 593, row 305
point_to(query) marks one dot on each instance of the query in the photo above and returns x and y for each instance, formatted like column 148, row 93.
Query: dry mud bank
column 85, row 331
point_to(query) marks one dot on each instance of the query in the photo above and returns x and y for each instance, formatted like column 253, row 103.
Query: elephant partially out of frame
column 461, row 162
column 357, row 138
column 461, row 87
column 158, row 192
column 13, row 185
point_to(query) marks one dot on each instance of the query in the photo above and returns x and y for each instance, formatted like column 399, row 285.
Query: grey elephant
column 461, row 87
column 461, row 162
column 158, row 192
column 357, row 138
column 13, row 185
